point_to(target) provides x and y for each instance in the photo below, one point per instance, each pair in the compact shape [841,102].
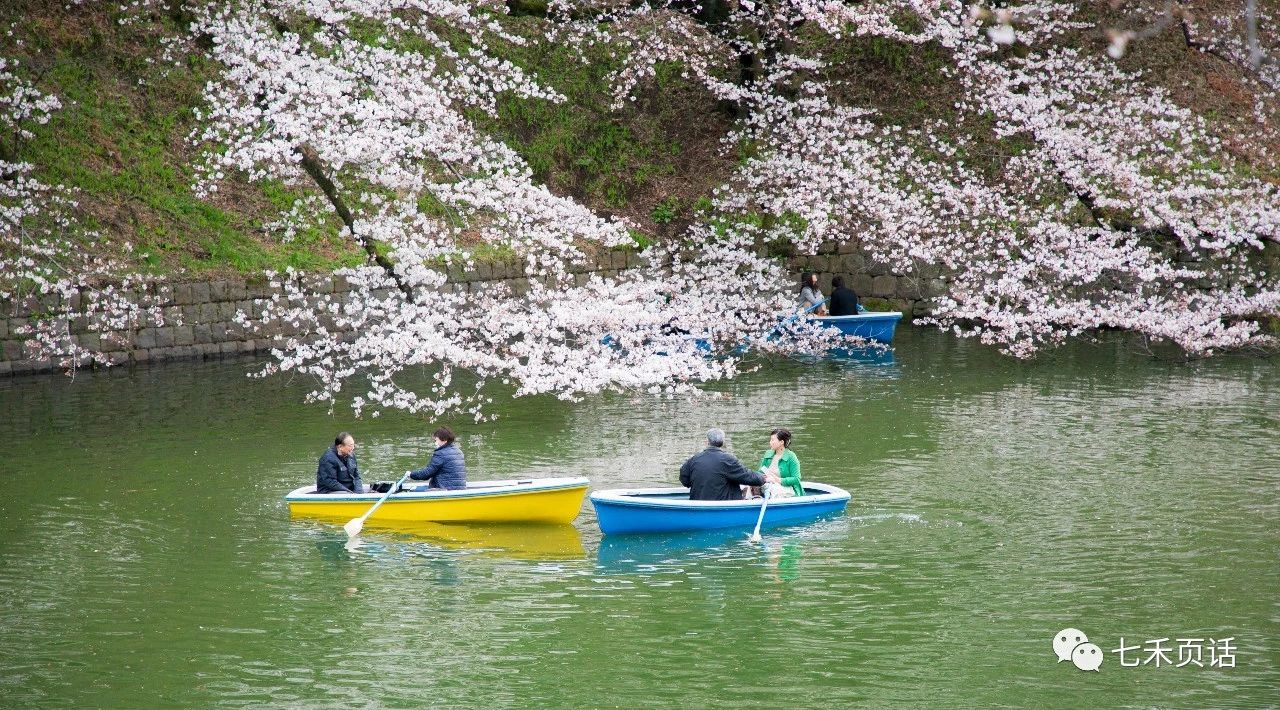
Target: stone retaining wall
[199,316]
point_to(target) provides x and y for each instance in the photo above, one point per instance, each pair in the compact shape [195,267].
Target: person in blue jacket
[446,469]
[337,471]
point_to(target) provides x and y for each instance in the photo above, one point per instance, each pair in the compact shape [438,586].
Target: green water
[148,560]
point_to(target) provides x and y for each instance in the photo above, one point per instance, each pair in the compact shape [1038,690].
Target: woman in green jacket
[781,461]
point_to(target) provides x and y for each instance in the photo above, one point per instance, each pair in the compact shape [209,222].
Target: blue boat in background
[872,325]
[650,510]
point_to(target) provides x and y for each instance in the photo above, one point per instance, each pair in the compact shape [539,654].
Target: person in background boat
[810,294]
[337,471]
[715,474]
[446,469]
[781,466]
[843,301]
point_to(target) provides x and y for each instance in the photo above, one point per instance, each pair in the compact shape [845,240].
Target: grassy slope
[120,139]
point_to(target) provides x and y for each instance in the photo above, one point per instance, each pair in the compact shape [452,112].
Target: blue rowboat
[648,510]
[872,325]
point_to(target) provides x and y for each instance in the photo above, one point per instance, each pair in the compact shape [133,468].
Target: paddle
[354,526]
[766,492]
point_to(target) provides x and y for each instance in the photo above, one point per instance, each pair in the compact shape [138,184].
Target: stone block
[248,345]
[925,307]
[228,348]
[182,294]
[141,356]
[12,350]
[4,328]
[208,312]
[520,286]
[236,291]
[217,332]
[617,260]
[28,306]
[847,246]
[202,334]
[257,289]
[884,286]
[191,314]
[217,291]
[164,338]
[18,325]
[183,335]
[90,341]
[172,315]
[851,263]
[6,368]
[75,300]
[861,284]
[827,247]
[634,261]
[581,279]
[201,292]
[145,339]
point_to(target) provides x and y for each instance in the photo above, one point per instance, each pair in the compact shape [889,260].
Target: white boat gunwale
[633,497]
[477,489]
[869,315]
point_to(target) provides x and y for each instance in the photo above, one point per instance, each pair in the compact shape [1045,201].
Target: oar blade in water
[354,526]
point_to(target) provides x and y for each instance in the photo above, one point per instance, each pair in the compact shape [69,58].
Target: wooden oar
[764,503]
[355,525]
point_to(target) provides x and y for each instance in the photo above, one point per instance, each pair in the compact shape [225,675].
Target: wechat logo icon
[1073,645]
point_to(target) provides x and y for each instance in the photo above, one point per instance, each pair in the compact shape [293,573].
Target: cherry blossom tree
[376,125]
[1119,209]
[1124,212]
[50,264]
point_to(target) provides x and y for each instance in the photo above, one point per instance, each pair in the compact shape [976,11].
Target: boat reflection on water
[525,542]
[658,553]
[876,355]
[869,355]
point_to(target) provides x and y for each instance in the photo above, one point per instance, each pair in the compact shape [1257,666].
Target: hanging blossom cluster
[1125,212]
[1171,244]
[378,125]
[47,261]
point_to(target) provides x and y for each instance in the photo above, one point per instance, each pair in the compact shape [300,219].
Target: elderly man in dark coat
[337,471]
[715,474]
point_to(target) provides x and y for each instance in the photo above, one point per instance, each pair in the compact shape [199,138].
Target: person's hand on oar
[767,491]
[354,526]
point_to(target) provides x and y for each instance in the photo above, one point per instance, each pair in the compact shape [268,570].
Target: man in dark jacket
[843,301]
[715,474]
[446,469]
[337,471]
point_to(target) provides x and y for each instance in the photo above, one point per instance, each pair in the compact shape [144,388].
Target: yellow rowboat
[540,500]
